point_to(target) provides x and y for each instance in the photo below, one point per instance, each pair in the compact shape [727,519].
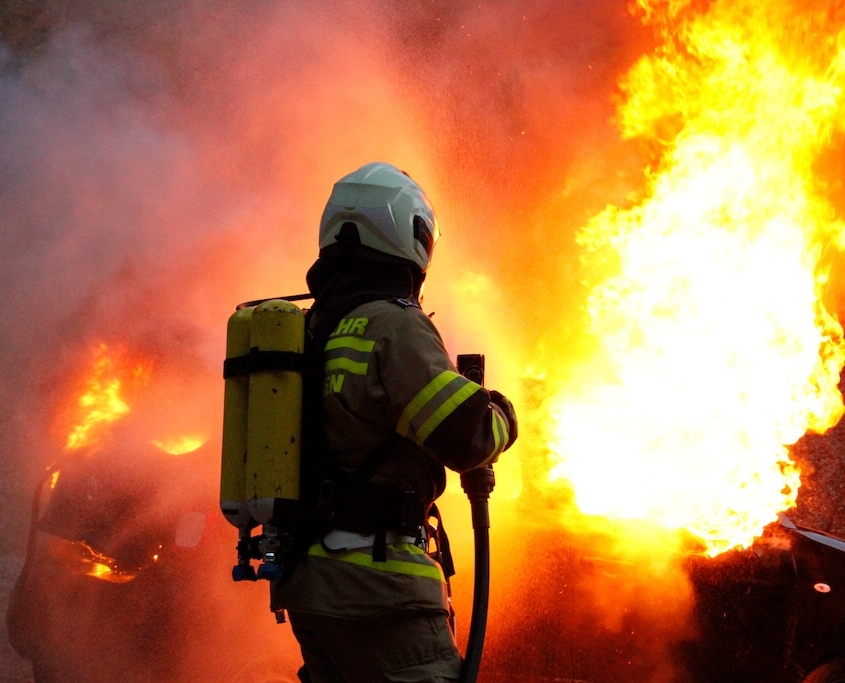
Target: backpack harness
[330,498]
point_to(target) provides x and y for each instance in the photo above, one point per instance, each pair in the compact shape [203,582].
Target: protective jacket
[390,386]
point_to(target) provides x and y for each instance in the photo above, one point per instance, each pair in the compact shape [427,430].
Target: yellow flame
[99,571]
[179,445]
[101,402]
[715,351]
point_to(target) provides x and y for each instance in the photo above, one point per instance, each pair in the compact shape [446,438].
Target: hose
[478,484]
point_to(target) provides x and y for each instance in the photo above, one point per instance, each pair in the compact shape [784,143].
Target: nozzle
[478,484]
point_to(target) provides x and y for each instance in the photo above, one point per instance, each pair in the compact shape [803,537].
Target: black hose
[478,484]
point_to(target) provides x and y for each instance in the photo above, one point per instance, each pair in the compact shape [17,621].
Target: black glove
[506,407]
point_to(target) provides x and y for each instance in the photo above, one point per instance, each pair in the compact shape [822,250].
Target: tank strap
[263,361]
[406,303]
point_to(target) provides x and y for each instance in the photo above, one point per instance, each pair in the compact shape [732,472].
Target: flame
[715,351]
[114,373]
[101,401]
[179,445]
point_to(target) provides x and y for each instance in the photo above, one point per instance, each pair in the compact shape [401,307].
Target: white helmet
[389,210]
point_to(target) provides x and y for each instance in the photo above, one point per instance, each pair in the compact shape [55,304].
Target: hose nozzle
[478,484]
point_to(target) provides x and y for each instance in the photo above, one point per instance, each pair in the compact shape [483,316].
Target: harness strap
[365,507]
[263,361]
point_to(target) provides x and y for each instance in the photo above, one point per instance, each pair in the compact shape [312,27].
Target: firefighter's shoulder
[402,318]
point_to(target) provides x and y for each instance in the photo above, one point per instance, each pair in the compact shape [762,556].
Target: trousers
[408,646]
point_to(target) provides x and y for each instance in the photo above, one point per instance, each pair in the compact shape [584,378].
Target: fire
[179,445]
[115,375]
[715,351]
[101,402]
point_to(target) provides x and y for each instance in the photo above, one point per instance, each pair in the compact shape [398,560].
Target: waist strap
[338,540]
[367,508]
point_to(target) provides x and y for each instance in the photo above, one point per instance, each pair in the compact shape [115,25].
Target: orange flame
[715,350]
[101,402]
[114,374]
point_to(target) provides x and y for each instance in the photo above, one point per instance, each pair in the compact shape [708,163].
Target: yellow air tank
[262,427]
[235,402]
[274,412]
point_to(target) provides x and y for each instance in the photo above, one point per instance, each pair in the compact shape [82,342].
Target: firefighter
[367,602]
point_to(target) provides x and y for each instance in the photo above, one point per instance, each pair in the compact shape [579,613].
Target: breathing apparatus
[377,209]
[262,432]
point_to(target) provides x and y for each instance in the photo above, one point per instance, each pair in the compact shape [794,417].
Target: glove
[506,407]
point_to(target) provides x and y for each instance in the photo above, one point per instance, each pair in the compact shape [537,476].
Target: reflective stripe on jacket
[387,370]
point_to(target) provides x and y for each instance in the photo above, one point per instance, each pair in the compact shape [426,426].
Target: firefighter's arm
[457,421]
[475,433]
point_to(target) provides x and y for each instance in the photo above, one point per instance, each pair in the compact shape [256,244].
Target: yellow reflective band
[500,432]
[394,566]
[445,410]
[420,400]
[354,343]
[500,437]
[355,367]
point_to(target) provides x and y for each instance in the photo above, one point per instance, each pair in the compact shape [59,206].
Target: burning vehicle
[112,569]
[108,566]
[776,612]
[127,563]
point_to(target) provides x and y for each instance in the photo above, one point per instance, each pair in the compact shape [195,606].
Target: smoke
[161,162]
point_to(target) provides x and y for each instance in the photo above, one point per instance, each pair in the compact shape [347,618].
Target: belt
[338,539]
